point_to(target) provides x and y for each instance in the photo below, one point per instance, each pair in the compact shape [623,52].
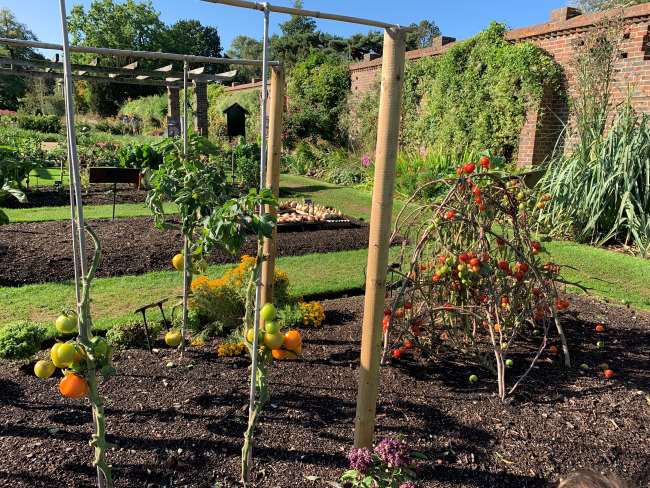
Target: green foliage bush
[40,123]
[151,110]
[219,100]
[247,165]
[318,88]
[21,340]
[139,156]
[474,96]
[131,334]
[325,161]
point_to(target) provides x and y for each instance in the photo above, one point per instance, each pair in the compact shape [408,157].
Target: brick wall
[541,130]
[201,108]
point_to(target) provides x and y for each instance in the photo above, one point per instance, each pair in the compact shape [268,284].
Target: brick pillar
[201,110]
[173,112]
[542,130]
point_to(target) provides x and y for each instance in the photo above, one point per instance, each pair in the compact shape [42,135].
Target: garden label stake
[98,441]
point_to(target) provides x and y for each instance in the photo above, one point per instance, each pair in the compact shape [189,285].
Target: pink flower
[366,161]
[423,151]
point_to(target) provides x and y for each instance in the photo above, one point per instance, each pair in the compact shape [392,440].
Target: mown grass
[115,299]
[122,210]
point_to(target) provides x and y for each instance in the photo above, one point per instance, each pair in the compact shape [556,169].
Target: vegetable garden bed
[182,426]
[45,196]
[40,251]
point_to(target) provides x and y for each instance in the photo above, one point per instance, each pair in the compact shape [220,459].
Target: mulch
[43,196]
[183,426]
[38,252]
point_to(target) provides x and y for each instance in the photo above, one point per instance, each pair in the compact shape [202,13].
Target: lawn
[43,214]
[115,299]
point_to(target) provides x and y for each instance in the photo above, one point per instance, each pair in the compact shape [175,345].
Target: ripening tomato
[399,313]
[469,168]
[503,265]
[485,162]
[450,214]
[523,267]
[478,200]
[600,328]
[608,373]
[536,247]
[519,276]
[385,323]
[459,170]
[553,349]
[397,353]
[436,278]
[292,340]
[178,262]
[476,191]
[463,258]
[561,304]
[442,259]
[73,386]
[474,262]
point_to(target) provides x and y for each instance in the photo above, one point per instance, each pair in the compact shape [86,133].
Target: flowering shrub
[313,313]
[474,281]
[390,465]
[223,299]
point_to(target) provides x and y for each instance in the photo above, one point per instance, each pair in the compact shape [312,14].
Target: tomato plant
[473,279]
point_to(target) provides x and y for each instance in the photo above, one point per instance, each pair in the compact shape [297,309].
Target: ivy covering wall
[473,97]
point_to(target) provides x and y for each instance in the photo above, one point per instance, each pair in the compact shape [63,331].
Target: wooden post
[273,177]
[392,80]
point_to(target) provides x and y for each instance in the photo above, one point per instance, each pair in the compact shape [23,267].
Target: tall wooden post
[273,176]
[392,80]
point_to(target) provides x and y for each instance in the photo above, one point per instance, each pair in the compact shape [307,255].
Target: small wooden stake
[392,81]
[273,177]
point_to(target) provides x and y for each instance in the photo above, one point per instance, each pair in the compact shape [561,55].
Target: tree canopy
[601,5]
[12,88]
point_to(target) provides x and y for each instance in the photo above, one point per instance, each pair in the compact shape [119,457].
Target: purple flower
[366,161]
[360,459]
[393,452]
[408,484]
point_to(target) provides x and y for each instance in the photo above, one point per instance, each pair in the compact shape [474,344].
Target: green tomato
[44,369]
[66,324]
[63,354]
[600,344]
[173,338]
[268,312]
[272,327]
[509,363]
[473,378]
[273,341]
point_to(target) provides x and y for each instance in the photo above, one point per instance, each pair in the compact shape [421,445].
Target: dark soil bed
[44,196]
[183,426]
[40,252]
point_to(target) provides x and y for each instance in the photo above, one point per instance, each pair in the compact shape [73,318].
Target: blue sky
[456,18]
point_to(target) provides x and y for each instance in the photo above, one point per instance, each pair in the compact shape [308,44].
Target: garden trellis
[382,202]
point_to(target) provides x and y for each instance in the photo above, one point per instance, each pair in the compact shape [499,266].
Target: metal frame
[134,54]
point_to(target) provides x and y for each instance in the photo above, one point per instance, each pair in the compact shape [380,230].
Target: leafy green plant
[21,340]
[151,110]
[599,192]
[130,335]
[13,170]
[247,164]
[40,123]
[139,156]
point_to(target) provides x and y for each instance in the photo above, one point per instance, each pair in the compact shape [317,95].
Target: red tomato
[600,328]
[474,262]
[397,353]
[442,259]
[408,306]
[463,258]
[553,349]
[519,276]
[385,323]
[469,168]
[478,200]
[523,267]
[503,265]
[485,162]
[450,214]
[608,373]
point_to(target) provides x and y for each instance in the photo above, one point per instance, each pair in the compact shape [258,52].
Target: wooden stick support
[392,80]
[273,177]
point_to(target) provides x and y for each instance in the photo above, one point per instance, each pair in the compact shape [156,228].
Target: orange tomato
[553,349]
[283,355]
[600,328]
[292,340]
[608,373]
[73,386]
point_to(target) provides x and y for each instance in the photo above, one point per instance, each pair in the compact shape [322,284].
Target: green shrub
[150,110]
[40,123]
[139,156]
[21,340]
[131,334]
[290,316]
[247,165]
[115,127]
[600,191]
[318,88]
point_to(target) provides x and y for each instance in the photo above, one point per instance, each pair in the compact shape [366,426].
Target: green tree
[191,37]
[318,88]
[422,34]
[244,47]
[13,88]
[129,25]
